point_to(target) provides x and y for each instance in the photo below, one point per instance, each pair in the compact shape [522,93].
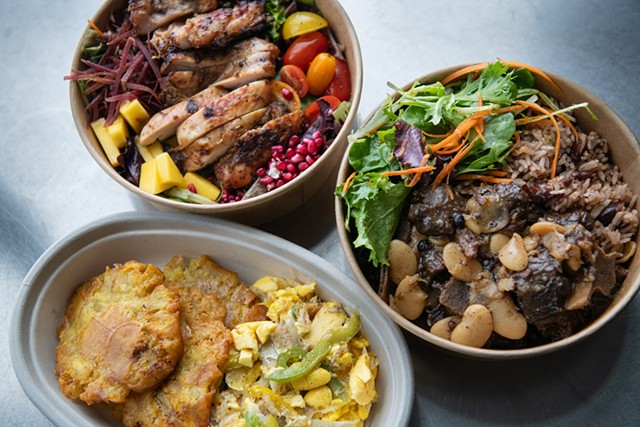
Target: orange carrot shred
[96,29]
[463,71]
[571,126]
[419,169]
[349,181]
[498,173]
[485,178]
[448,168]
[555,124]
[535,71]
[451,196]
[430,135]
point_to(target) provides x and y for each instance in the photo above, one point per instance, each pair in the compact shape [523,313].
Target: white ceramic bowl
[625,153]
[155,238]
[268,206]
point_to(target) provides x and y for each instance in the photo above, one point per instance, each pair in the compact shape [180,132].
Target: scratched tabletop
[50,186]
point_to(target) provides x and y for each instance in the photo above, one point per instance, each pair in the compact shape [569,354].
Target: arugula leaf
[277,13]
[375,204]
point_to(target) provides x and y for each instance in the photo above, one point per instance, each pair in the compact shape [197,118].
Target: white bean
[443,327]
[475,328]
[507,320]
[410,299]
[458,264]
[513,255]
[402,261]
[543,227]
[497,242]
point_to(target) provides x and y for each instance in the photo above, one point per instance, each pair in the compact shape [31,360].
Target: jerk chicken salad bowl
[490,210]
[238,109]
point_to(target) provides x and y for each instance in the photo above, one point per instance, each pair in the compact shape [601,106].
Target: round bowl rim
[480,353]
[226,208]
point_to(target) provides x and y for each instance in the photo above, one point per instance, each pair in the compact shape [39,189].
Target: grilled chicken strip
[218,28]
[147,15]
[253,150]
[164,124]
[239,102]
[206,150]
[193,70]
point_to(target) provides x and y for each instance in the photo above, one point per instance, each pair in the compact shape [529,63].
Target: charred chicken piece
[147,15]
[237,103]
[236,169]
[164,124]
[218,28]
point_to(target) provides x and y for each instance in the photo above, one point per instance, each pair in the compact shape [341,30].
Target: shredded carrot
[498,173]
[460,130]
[555,124]
[451,196]
[478,67]
[463,72]
[448,168]
[419,169]
[571,126]
[430,135]
[348,182]
[535,71]
[485,178]
[96,29]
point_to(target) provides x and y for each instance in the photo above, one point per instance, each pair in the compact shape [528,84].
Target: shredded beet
[125,71]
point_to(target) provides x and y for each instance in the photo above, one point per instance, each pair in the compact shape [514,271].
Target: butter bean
[507,320]
[458,264]
[443,327]
[410,298]
[402,261]
[543,227]
[497,242]
[475,328]
[513,255]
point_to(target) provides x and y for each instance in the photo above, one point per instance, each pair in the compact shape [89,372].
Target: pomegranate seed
[316,134]
[266,180]
[286,94]
[290,153]
[278,156]
[291,167]
[303,166]
[277,148]
[281,166]
[261,172]
[192,188]
[295,139]
[307,141]
[271,186]
[312,149]
[288,176]
[310,160]
[302,150]
[240,195]
[319,142]
[297,158]
[279,183]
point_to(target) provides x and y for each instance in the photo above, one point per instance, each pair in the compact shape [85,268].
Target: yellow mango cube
[204,187]
[119,132]
[106,141]
[150,152]
[135,114]
[160,174]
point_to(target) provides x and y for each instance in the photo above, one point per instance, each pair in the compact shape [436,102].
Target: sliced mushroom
[487,216]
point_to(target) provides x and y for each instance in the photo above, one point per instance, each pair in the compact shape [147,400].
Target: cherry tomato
[340,86]
[300,23]
[320,73]
[294,77]
[312,111]
[304,49]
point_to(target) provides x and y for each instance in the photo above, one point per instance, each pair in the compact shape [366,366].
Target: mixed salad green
[439,132]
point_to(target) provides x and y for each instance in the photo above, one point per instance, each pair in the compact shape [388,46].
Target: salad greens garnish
[433,133]
[277,12]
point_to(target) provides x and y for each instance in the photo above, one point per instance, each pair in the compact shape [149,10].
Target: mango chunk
[150,152]
[135,114]
[160,174]
[204,187]
[106,141]
[119,132]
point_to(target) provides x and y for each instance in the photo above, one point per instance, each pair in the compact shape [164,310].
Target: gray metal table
[49,185]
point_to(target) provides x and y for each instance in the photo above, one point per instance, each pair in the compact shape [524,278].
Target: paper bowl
[266,207]
[155,238]
[625,153]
